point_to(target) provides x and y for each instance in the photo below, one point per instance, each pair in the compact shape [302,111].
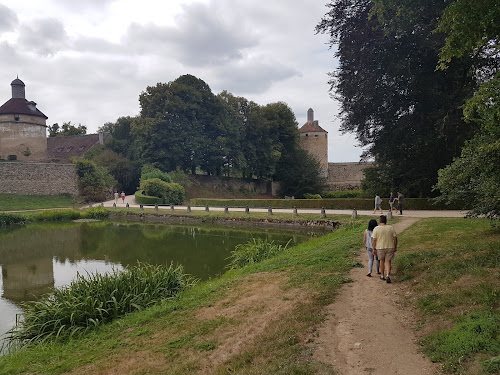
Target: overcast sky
[87,61]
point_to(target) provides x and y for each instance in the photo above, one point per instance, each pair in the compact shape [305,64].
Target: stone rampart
[346,176]
[38,178]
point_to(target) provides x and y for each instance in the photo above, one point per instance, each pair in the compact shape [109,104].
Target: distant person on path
[391,201]
[368,240]
[116,197]
[385,245]
[401,198]
[123,197]
[378,202]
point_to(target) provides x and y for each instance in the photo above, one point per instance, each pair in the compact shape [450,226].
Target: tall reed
[95,299]
[253,251]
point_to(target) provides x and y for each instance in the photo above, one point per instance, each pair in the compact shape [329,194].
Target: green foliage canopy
[405,112]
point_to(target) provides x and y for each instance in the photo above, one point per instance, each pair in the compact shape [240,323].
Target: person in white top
[367,239]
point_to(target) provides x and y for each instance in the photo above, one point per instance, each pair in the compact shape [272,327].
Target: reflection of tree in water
[26,253]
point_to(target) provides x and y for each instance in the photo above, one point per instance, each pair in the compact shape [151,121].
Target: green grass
[11,202]
[9,219]
[453,267]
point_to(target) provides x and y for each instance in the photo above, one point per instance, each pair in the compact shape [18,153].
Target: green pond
[38,257]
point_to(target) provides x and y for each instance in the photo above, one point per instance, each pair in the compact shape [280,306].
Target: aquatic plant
[95,299]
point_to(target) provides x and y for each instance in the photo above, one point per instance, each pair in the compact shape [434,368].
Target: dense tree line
[406,111]
[184,126]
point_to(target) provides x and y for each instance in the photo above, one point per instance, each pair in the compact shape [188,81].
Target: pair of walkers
[381,244]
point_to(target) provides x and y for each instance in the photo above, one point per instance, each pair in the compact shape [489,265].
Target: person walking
[123,197]
[378,202]
[385,245]
[391,201]
[116,197]
[368,240]
[401,198]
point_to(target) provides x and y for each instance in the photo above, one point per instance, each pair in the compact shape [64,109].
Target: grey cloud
[201,38]
[44,36]
[96,45]
[8,19]
[253,77]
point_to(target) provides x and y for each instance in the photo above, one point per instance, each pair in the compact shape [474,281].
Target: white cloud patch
[8,19]
[43,36]
[200,38]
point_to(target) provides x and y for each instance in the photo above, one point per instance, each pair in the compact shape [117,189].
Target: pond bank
[324,224]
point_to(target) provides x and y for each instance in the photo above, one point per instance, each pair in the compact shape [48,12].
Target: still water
[38,257]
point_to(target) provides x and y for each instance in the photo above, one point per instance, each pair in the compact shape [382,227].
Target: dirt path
[367,331]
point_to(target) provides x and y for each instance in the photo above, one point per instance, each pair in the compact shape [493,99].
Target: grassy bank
[263,315]
[174,337]
[11,202]
[452,267]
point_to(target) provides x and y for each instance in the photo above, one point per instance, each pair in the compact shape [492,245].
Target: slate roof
[19,106]
[311,126]
[67,147]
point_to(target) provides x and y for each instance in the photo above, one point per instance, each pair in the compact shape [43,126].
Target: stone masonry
[38,178]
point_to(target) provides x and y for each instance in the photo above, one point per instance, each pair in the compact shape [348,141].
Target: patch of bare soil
[255,305]
[368,329]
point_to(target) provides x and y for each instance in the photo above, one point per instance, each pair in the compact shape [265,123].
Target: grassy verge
[453,268]
[171,338]
[11,202]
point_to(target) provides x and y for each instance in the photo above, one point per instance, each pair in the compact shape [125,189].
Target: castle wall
[23,136]
[316,143]
[38,178]
[346,176]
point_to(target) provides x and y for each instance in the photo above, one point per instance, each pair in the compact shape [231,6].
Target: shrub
[56,215]
[94,182]
[343,194]
[11,219]
[312,196]
[253,251]
[148,172]
[95,299]
[168,192]
[96,213]
[141,198]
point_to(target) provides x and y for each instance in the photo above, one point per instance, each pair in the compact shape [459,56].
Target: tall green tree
[405,112]
[179,121]
[472,29]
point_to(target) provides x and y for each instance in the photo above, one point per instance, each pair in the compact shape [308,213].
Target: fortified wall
[38,178]
[346,176]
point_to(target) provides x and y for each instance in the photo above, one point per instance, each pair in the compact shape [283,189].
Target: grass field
[11,202]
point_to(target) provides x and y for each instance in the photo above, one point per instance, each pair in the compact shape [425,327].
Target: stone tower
[314,139]
[22,127]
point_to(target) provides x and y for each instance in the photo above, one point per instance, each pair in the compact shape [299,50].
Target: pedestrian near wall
[123,197]
[116,197]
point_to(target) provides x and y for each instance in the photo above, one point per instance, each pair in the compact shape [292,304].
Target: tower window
[16,117]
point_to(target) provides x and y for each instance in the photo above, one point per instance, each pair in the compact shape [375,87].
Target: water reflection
[38,257]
